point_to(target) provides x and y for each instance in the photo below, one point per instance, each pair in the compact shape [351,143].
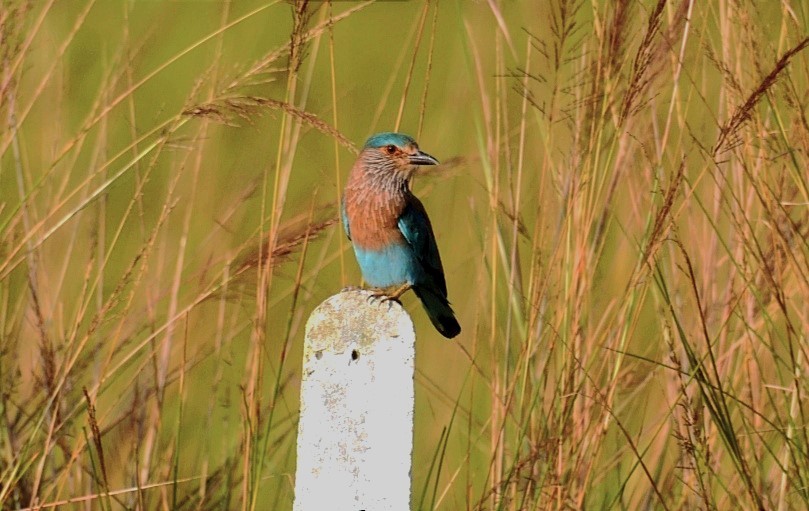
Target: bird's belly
[392,265]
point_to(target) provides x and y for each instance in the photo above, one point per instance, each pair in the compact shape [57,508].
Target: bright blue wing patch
[416,229]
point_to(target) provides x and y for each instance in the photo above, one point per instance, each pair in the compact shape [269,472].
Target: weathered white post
[355,435]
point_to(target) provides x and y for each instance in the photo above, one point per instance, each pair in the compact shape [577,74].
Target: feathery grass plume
[639,78]
[728,132]
[223,111]
[301,15]
[566,31]
[13,14]
[615,40]
[291,236]
[95,433]
[663,219]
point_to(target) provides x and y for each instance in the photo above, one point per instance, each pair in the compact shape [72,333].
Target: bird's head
[394,155]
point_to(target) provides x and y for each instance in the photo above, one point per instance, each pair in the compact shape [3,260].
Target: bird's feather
[344,218]
[415,226]
[386,138]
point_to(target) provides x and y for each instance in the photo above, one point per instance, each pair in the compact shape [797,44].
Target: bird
[389,229]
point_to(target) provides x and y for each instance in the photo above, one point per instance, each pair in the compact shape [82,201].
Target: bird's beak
[422,158]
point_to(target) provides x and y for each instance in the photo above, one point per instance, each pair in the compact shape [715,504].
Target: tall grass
[622,215]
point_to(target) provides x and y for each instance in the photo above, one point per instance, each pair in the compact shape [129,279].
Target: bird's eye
[391,149]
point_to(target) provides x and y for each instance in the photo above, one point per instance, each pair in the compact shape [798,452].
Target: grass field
[622,211]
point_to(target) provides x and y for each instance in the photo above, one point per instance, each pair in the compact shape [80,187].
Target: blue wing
[417,230]
[344,218]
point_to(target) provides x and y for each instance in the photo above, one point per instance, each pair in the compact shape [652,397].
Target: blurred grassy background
[622,215]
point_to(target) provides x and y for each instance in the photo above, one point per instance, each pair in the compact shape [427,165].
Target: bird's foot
[379,296]
[382,296]
[400,291]
[375,295]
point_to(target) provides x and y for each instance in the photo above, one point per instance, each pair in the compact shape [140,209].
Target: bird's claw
[379,297]
[376,296]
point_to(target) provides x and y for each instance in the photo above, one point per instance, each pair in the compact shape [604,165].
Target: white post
[355,434]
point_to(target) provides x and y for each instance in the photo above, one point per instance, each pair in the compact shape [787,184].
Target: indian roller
[389,229]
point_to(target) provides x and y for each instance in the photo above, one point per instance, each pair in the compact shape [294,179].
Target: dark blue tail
[439,312]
